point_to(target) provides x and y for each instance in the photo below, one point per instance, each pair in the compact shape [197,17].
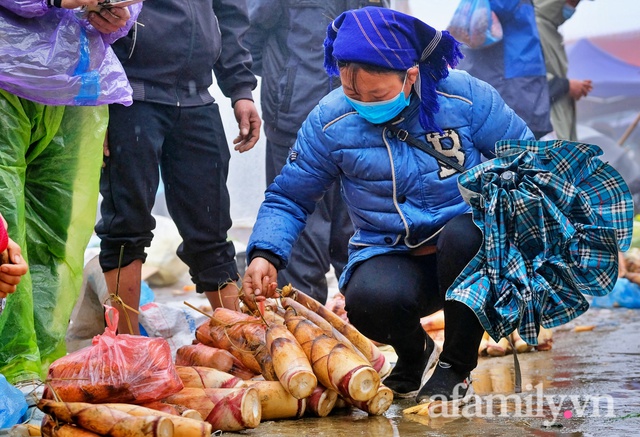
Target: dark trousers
[189,147]
[387,295]
[324,241]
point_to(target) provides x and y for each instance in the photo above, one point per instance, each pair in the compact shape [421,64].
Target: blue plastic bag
[625,294]
[13,405]
[475,24]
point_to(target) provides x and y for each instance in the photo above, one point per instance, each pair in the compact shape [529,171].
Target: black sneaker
[445,385]
[405,378]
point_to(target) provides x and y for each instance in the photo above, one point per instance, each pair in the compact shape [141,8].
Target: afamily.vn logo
[530,404]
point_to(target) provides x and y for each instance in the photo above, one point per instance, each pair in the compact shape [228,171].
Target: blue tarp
[611,75]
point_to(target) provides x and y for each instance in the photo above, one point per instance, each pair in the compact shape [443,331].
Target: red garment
[4,237]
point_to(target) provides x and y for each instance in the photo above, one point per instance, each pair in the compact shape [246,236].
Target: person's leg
[61,195]
[458,243]
[310,258]
[128,186]
[195,165]
[33,127]
[385,299]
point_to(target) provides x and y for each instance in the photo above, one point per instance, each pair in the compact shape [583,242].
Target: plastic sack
[12,404]
[177,324]
[475,24]
[625,294]
[115,368]
[59,59]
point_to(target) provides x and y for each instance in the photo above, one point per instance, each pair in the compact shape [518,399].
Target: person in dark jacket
[286,40]
[515,66]
[174,126]
[413,231]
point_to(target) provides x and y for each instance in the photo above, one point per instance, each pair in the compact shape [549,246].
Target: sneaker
[446,384]
[405,378]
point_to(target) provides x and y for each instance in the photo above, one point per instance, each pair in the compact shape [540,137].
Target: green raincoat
[49,185]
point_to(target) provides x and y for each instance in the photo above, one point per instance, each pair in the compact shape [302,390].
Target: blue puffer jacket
[398,197]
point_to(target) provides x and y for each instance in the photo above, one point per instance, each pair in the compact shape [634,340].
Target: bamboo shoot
[204,377]
[291,364]
[364,345]
[227,409]
[182,426]
[276,402]
[335,365]
[103,420]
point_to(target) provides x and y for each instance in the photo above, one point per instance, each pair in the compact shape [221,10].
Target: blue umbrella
[553,217]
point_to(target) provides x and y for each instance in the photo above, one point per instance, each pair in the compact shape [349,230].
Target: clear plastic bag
[115,368]
[475,24]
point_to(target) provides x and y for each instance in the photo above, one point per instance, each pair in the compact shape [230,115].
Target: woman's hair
[355,67]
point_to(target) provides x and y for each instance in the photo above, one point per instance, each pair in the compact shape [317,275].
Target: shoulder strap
[404,136]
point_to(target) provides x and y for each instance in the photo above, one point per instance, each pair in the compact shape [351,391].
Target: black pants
[387,295]
[324,241]
[190,148]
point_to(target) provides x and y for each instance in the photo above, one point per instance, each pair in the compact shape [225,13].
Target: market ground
[587,385]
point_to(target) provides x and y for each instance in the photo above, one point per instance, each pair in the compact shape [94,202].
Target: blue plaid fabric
[554,217]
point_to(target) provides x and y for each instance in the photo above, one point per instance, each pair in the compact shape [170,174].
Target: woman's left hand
[260,280]
[109,20]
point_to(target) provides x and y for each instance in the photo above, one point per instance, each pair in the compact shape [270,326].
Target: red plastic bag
[475,24]
[115,368]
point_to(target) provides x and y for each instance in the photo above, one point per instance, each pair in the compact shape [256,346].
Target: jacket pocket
[362,238]
[289,88]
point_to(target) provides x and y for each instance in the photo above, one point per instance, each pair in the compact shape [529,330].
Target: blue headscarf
[390,39]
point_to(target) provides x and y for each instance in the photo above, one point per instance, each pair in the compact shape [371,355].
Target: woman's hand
[259,280]
[12,272]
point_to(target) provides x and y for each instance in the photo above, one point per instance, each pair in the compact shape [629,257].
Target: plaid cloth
[554,217]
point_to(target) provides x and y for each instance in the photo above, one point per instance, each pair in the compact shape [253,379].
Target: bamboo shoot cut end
[364,384]
[192,414]
[381,402]
[302,384]
[251,408]
[326,403]
[164,426]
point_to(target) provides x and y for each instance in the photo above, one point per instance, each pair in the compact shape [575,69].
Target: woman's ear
[412,75]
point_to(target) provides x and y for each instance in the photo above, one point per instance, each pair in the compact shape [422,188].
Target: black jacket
[170,54]
[286,41]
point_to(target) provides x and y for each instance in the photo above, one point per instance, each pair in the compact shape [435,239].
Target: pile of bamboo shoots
[295,355]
